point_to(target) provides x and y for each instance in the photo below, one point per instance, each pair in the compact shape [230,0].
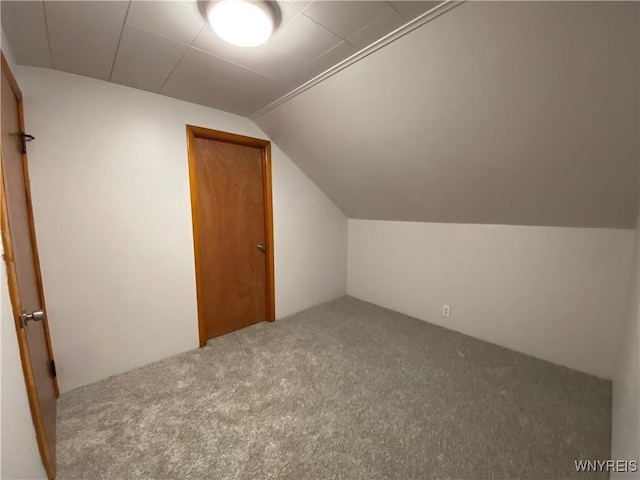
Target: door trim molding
[194,132]
[32,393]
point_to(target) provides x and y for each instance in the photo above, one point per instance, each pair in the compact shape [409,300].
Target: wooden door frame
[194,132]
[32,393]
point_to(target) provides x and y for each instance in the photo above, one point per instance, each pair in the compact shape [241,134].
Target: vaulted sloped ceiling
[506,112]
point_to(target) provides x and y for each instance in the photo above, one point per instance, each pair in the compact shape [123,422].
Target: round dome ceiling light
[241,22]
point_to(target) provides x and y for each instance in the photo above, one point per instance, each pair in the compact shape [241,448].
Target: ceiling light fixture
[241,22]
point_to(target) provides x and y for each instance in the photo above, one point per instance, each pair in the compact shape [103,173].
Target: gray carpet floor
[345,390]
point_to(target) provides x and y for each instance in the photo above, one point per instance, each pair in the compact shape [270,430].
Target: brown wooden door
[231,203]
[25,287]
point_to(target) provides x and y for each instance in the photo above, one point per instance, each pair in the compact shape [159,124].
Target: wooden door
[232,227]
[23,273]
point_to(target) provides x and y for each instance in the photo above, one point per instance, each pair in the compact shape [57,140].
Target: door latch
[26,138]
[28,317]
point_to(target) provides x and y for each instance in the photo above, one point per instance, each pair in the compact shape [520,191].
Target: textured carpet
[346,390]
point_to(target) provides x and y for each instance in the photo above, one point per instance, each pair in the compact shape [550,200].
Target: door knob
[28,317]
[262,248]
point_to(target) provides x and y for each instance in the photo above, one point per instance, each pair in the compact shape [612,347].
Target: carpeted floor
[346,390]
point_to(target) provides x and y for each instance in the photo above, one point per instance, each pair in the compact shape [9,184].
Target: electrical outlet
[446,310]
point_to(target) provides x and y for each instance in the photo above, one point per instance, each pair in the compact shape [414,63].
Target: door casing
[194,132]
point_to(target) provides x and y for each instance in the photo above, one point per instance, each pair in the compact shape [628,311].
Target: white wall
[625,441]
[554,293]
[112,210]
[19,455]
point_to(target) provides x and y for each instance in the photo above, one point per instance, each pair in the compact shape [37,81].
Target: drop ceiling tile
[84,35]
[145,60]
[198,73]
[331,58]
[411,9]
[209,42]
[377,29]
[346,18]
[192,78]
[287,13]
[245,79]
[25,27]
[274,63]
[299,5]
[303,39]
[234,100]
[321,64]
[178,20]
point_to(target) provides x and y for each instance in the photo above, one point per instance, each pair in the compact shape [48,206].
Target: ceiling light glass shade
[241,22]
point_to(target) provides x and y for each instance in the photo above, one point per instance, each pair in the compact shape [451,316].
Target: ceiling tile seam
[296,8]
[260,49]
[159,35]
[288,56]
[344,38]
[391,37]
[234,63]
[396,10]
[311,62]
[325,27]
[301,13]
[306,63]
[193,40]
[180,59]
[46,29]
[115,56]
[282,25]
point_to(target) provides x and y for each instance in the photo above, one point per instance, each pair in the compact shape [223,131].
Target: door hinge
[52,366]
[26,138]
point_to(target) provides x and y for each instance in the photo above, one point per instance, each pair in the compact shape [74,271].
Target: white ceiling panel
[167,46]
[287,13]
[24,24]
[145,60]
[344,18]
[232,99]
[377,29]
[319,65]
[84,36]
[299,5]
[329,59]
[411,9]
[198,73]
[192,77]
[274,63]
[304,39]
[243,78]
[209,42]
[178,20]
